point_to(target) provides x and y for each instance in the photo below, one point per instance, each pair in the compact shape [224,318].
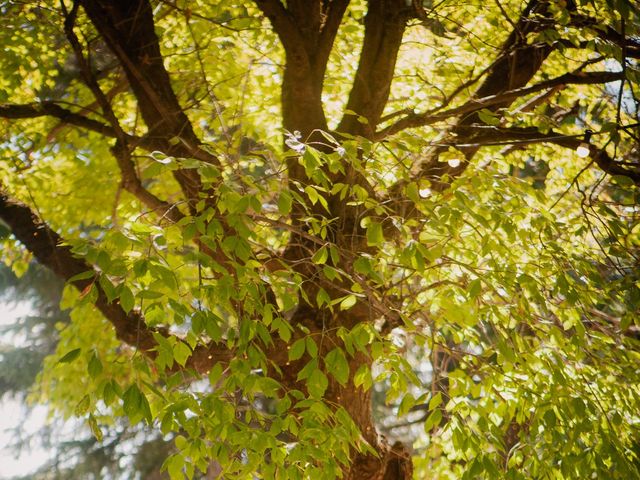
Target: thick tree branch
[385,24]
[122,151]
[514,68]
[141,59]
[411,119]
[516,65]
[87,75]
[307,17]
[607,33]
[332,12]
[131,183]
[283,24]
[130,180]
[307,30]
[128,29]
[51,251]
[301,91]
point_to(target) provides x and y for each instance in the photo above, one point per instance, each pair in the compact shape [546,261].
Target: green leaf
[161,158]
[70,356]
[337,365]
[348,302]
[215,374]
[132,401]
[322,297]
[408,401]
[312,194]
[297,350]
[435,401]
[285,202]
[320,257]
[550,419]
[488,117]
[127,301]
[95,366]
[136,405]
[95,429]
[317,383]
[284,329]
[362,377]
[174,465]
[363,265]
[140,267]
[312,348]
[181,442]
[103,260]
[82,276]
[433,420]
[375,236]
[181,353]
[307,369]
[82,406]
[109,393]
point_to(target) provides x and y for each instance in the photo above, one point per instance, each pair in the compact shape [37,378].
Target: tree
[406,218]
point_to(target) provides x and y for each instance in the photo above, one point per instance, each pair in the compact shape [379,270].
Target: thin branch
[132,184]
[415,120]
[41,109]
[66,116]
[531,136]
[128,29]
[607,33]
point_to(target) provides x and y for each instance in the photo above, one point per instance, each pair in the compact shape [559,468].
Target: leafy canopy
[288,228]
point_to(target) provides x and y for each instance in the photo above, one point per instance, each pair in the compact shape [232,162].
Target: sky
[12,414]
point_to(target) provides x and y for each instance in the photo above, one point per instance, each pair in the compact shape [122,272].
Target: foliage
[25,344]
[270,216]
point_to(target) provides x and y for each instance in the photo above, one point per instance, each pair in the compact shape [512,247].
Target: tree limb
[608,33]
[128,29]
[384,25]
[283,24]
[13,111]
[306,28]
[532,135]
[413,120]
[51,251]
[41,109]
[301,96]
[516,65]
[122,151]
[332,11]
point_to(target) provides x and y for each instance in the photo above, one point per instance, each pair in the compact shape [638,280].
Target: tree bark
[307,41]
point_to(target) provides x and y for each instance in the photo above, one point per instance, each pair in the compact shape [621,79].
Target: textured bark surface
[307,30]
